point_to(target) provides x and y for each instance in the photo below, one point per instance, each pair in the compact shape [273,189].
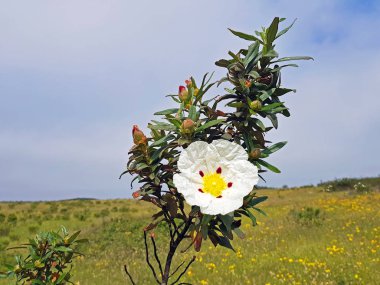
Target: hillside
[308,237]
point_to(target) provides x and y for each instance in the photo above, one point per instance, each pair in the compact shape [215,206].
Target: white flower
[215,176]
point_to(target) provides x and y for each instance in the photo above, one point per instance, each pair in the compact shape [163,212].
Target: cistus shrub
[49,259]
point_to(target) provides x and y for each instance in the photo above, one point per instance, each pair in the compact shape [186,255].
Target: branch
[147,259]
[155,254]
[183,272]
[179,266]
[170,225]
[129,275]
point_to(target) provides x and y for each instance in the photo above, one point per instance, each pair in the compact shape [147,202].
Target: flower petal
[230,151]
[222,206]
[244,176]
[193,157]
[188,186]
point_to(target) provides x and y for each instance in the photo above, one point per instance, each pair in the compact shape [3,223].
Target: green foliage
[361,188]
[12,219]
[361,185]
[255,76]
[307,216]
[49,259]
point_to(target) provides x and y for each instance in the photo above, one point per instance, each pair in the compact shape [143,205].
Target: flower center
[214,183]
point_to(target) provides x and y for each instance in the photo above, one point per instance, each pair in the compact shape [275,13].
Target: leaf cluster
[49,259]
[238,115]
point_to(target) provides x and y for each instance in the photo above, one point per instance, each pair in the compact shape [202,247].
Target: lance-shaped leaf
[246,36]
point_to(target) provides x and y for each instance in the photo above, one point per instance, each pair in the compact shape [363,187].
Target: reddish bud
[188,126]
[248,83]
[138,136]
[188,82]
[255,154]
[182,93]
[136,194]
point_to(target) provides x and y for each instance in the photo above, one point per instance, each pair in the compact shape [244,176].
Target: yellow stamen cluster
[214,184]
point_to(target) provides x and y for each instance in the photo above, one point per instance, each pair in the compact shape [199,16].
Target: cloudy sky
[76,75]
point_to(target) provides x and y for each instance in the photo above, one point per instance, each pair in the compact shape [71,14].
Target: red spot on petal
[219,170]
[220,196]
[201,173]
[229,184]
[200,190]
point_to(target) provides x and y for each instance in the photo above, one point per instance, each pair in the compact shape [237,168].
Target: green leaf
[204,224]
[162,126]
[223,63]
[259,124]
[282,91]
[239,233]
[269,166]
[162,140]
[285,30]
[275,147]
[293,58]
[167,111]
[271,106]
[253,50]
[270,53]
[257,200]
[260,211]
[209,124]
[225,242]
[273,119]
[227,220]
[74,236]
[281,67]
[251,216]
[236,104]
[272,31]
[193,113]
[63,249]
[62,277]
[234,56]
[246,36]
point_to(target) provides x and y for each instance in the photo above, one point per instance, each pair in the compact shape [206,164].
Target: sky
[76,75]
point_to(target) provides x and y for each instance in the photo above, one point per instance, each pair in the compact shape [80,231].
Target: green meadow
[309,236]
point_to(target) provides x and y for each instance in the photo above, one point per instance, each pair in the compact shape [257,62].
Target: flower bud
[138,136]
[136,194]
[17,269]
[196,92]
[182,93]
[188,126]
[255,105]
[247,83]
[188,83]
[255,154]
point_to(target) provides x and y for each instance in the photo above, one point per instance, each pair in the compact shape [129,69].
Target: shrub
[361,188]
[307,216]
[12,219]
[2,218]
[49,259]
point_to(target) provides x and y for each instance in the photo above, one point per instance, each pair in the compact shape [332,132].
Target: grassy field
[308,237]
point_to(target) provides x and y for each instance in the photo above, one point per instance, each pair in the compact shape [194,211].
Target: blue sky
[76,75]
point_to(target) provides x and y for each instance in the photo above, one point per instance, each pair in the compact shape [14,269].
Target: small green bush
[307,216]
[49,259]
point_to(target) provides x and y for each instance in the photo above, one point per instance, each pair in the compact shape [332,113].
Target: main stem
[174,243]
